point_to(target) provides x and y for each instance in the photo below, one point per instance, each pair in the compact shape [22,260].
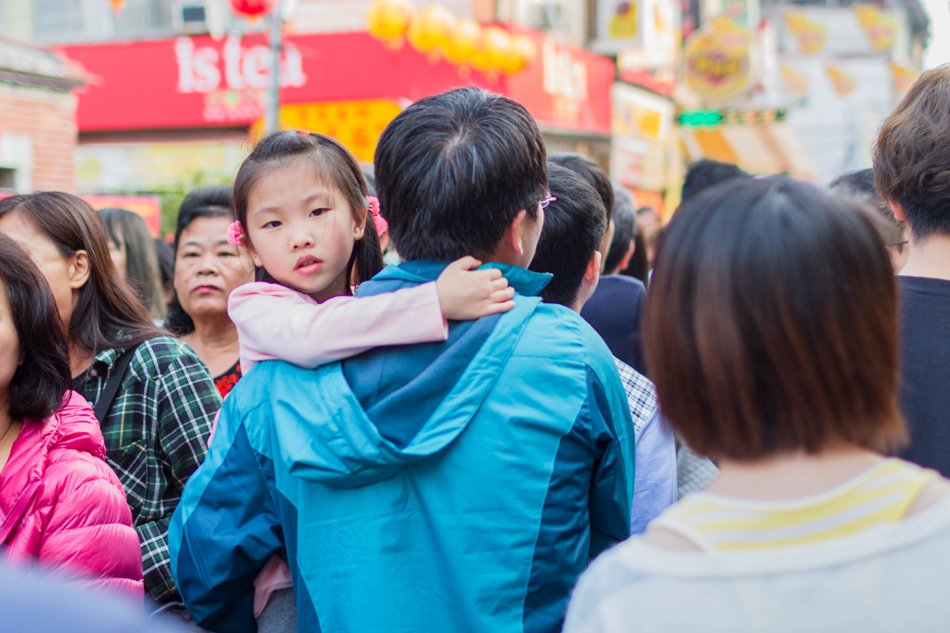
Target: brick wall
[48,118]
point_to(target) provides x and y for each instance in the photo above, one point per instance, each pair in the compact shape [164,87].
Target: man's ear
[78,270]
[514,236]
[592,272]
[898,210]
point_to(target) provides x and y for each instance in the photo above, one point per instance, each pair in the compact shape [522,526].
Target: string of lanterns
[435,31]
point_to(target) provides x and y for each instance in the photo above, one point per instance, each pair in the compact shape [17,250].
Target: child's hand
[466,294]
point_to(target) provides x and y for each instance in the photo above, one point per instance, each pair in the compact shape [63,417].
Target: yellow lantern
[464,41]
[521,54]
[495,49]
[388,20]
[430,30]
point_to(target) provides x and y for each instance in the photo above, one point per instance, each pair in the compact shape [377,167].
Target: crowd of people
[265,428]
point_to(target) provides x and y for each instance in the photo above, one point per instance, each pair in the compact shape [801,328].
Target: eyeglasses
[545,201]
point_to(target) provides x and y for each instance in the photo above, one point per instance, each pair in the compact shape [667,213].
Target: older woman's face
[207,268]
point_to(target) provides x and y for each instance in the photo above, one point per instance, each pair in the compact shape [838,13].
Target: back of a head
[107,312]
[591,172]
[705,173]
[859,185]
[453,171]
[129,230]
[574,225]
[748,329]
[625,230]
[911,164]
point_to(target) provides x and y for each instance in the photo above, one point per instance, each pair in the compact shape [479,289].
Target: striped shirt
[880,495]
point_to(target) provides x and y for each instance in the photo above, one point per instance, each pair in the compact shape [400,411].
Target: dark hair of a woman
[41,380]
[107,313]
[771,323]
[129,231]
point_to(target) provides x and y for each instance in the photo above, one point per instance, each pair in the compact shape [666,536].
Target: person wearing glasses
[461,485]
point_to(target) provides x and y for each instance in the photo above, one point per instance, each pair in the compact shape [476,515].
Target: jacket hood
[327,434]
[75,427]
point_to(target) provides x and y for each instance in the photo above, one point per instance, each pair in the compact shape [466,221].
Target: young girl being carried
[302,209]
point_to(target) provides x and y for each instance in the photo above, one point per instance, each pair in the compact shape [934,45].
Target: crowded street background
[486,316]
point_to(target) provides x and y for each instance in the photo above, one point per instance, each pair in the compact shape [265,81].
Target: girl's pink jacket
[63,507]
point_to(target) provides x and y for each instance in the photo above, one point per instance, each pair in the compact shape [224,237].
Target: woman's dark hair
[771,324]
[331,161]
[705,174]
[591,172]
[209,201]
[625,230]
[911,164]
[129,232]
[454,170]
[107,313]
[41,380]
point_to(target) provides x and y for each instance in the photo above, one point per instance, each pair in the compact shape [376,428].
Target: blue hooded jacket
[457,486]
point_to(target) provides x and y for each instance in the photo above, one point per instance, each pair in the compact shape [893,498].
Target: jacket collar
[525,282]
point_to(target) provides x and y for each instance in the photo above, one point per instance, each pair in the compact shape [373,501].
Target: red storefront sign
[188,82]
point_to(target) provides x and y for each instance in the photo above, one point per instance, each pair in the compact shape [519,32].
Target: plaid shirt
[641,395]
[156,435]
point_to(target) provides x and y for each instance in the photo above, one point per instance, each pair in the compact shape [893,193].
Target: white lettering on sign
[202,68]
[564,76]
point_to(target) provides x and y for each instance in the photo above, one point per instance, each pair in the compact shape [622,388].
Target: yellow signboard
[356,124]
[717,62]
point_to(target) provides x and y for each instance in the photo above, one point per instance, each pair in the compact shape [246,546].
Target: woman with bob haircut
[771,333]
[62,506]
[134,255]
[153,397]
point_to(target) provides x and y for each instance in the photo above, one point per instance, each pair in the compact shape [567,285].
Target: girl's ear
[359,228]
[254,256]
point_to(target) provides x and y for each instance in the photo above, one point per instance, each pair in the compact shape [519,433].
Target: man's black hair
[625,229]
[590,171]
[705,173]
[574,225]
[453,171]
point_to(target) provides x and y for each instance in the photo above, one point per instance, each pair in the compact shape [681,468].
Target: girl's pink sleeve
[275,322]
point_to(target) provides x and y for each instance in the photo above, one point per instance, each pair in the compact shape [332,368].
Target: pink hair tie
[372,204]
[236,234]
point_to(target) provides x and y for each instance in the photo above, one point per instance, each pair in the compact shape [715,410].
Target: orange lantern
[521,54]
[252,8]
[430,30]
[388,20]
[495,50]
[117,5]
[464,41]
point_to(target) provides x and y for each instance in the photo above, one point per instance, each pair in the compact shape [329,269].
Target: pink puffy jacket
[63,507]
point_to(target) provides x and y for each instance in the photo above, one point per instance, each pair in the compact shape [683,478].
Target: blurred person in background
[860,186]
[912,172]
[639,265]
[62,505]
[705,174]
[165,255]
[133,253]
[207,269]
[806,524]
[567,249]
[152,395]
[615,307]
[649,225]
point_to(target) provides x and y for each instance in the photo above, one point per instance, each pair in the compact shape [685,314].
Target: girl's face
[207,268]
[302,230]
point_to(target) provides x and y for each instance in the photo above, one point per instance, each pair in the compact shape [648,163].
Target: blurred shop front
[188,108]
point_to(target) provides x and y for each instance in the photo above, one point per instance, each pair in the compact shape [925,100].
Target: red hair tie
[372,205]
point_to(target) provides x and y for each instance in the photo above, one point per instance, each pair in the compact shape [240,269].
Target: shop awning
[758,149]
